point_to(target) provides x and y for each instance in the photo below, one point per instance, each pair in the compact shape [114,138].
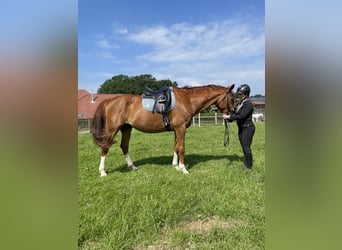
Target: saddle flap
[161,98]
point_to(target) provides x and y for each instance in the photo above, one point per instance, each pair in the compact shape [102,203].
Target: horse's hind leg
[105,147]
[126,135]
[179,150]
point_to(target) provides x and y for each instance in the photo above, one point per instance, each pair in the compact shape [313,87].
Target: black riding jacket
[243,114]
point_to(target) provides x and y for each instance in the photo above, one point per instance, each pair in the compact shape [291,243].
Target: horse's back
[121,101]
[128,109]
[120,105]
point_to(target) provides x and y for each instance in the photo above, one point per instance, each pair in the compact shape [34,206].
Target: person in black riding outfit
[243,116]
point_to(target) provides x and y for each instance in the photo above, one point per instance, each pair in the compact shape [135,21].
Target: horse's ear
[230,88]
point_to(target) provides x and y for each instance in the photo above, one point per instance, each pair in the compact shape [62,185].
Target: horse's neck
[202,101]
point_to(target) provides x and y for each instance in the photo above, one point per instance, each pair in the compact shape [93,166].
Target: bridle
[230,111]
[226,139]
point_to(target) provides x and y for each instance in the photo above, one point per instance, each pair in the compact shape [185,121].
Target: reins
[226,133]
[226,139]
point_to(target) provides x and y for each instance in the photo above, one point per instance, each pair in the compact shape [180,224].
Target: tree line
[123,84]
[132,84]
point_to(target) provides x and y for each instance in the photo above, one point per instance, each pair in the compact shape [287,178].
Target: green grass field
[217,206]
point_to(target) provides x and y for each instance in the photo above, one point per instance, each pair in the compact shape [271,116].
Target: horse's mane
[200,88]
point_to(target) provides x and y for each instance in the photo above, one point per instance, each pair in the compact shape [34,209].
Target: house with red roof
[88,102]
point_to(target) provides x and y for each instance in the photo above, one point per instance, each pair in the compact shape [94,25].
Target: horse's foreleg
[175,154]
[126,135]
[175,159]
[179,151]
[102,162]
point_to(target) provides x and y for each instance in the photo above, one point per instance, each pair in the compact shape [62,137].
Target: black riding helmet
[244,89]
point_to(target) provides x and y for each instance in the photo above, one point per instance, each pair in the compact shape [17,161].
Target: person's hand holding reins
[225,116]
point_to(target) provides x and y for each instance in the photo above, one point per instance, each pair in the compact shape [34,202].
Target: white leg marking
[175,159]
[182,168]
[130,162]
[102,165]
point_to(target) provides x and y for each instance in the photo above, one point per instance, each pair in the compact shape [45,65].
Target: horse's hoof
[185,171]
[103,174]
[134,168]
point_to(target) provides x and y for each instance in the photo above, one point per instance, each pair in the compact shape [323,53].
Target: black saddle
[161,97]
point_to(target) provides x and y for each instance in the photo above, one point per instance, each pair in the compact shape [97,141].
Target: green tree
[132,85]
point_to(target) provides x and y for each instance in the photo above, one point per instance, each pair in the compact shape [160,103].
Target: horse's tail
[98,128]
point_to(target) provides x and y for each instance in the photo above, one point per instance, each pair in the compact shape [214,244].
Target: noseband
[230,111]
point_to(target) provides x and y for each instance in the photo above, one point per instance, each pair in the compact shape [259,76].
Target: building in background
[88,102]
[259,108]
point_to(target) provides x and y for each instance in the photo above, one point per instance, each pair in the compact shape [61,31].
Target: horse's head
[226,104]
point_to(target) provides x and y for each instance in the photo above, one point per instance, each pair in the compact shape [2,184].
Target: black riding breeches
[246,136]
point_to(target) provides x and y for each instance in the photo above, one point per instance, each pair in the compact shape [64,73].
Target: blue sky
[191,42]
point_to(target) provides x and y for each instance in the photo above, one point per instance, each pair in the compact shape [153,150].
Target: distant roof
[87,103]
[257,103]
[258,99]
[82,93]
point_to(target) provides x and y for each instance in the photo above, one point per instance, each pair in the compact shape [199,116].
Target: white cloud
[104,44]
[155,36]
[105,48]
[212,41]
[221,52]
[120,30]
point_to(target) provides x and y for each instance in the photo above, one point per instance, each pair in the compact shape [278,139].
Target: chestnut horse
[125,112]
